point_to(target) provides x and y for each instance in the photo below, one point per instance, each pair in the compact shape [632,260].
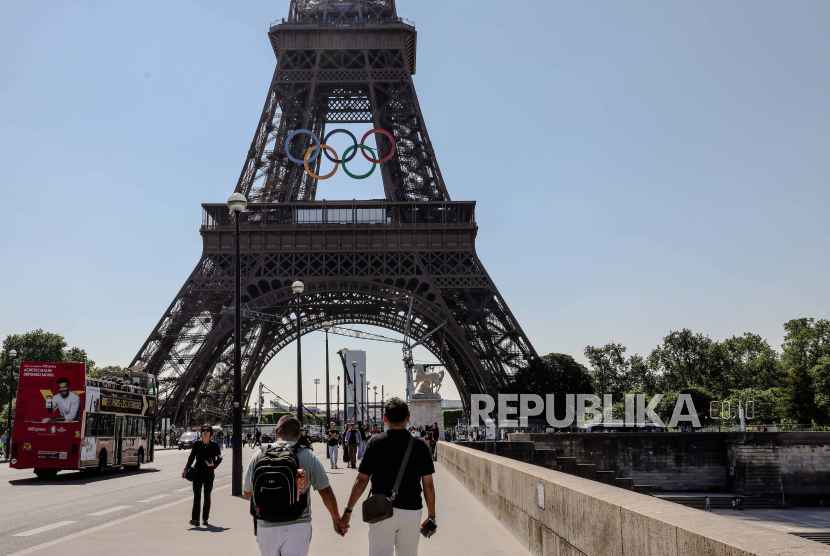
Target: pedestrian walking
[708,505]
[333,441]
[4,443]
[304,439]
[433,434]
[397,466]
[207,456]
[352,442]
[361,431]
[283,525]
[257,437]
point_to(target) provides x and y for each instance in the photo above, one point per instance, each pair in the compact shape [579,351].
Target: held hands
[336,522]
[344,524]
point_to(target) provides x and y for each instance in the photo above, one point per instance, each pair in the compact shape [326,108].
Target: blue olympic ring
[291,135]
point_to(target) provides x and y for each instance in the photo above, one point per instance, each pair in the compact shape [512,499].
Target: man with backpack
[277,482]
[397,465]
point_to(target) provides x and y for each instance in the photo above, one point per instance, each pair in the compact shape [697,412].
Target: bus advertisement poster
[48,413]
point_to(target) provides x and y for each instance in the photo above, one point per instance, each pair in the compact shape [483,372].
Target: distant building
[451,404]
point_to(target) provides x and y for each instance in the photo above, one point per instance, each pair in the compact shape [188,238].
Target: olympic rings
[312,174]
[341,130]
[321,146]
[367,174]
[288,140]
[378,130]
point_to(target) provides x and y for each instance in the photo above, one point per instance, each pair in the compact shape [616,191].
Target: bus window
[89,429]
[106,425]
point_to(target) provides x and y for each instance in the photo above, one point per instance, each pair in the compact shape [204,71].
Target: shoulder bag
[379,506]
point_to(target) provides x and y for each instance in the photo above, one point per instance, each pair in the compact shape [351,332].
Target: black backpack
[274,497]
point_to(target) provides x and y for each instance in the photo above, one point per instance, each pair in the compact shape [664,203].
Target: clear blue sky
[639,167]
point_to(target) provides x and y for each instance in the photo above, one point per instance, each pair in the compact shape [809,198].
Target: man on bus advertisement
[48,413]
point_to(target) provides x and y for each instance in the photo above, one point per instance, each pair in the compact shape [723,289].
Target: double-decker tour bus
[66,420]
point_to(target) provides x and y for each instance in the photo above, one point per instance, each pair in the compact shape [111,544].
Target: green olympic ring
[343,162]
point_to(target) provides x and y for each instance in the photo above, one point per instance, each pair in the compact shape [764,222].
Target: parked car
[315,437]
[187,439]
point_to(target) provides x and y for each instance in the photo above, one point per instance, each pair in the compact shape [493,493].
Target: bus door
[119,437]
[148,438]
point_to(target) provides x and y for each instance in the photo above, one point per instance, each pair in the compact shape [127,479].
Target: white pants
[288,540]
[398,535]
[333,455]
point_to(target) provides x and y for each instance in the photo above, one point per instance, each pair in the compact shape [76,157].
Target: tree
[641,376]
[806,342]
[450,417]
[682,360]
[609,368]
[78,355]
[820,374]
[798,397]
[742,362]
[701,399]
[109,370]
[763,406]
[554,373]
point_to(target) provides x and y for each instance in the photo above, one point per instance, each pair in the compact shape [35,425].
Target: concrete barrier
[556,514]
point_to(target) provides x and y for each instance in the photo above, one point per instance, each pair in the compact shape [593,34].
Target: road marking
[185,489]
[109,511]
[154,498]
[61,540]
[44,529]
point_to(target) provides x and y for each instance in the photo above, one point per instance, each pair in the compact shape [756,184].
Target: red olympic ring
[378,130]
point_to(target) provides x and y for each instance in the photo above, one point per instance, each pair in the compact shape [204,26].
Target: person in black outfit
[257,438]
[207,456]
[304,439]
[381,464]
[352,441]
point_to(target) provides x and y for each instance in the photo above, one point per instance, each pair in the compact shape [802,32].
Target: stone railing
[552,513]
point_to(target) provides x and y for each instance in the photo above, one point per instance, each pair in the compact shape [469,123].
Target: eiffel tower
[338,61]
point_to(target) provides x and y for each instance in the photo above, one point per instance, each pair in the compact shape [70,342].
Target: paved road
[33,511]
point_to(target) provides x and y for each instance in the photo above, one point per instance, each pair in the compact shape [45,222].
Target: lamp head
[354,364]
[13,353]
[344,351]
[361,373]
[298,287]
[327,326]
[237,202]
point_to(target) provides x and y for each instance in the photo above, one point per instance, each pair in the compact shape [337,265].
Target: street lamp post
[327,327]
[316,406]
[13,355]
[298,288]
[345,352]
[375,410]
[338,403]
[237,203]
[354,384]
[362,395]
[366,402]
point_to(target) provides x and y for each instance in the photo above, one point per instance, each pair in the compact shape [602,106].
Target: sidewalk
[465,527]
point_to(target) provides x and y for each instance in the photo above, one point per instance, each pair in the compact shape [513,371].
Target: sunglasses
[206,430]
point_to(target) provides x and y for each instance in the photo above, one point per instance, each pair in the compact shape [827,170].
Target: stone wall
[734,462]
[555,514]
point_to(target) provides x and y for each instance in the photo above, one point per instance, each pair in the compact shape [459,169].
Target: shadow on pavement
[78,477]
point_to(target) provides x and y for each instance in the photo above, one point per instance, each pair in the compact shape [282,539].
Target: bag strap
[403,467]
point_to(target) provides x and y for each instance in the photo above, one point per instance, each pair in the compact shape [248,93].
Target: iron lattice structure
[337,62]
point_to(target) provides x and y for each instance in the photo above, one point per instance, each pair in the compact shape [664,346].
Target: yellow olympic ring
[312,174]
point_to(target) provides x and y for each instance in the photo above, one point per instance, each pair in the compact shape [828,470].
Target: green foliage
[682,360]
[821,380]
[798,397]
[700,398]
[450,417]
[273,418]
[106,371]
[78,355]
[806,342]
[764,406]
[609,368]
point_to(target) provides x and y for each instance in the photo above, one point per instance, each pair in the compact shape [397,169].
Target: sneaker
[194,523]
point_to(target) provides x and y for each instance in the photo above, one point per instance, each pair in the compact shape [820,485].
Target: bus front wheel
[46,473]
[139,460]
